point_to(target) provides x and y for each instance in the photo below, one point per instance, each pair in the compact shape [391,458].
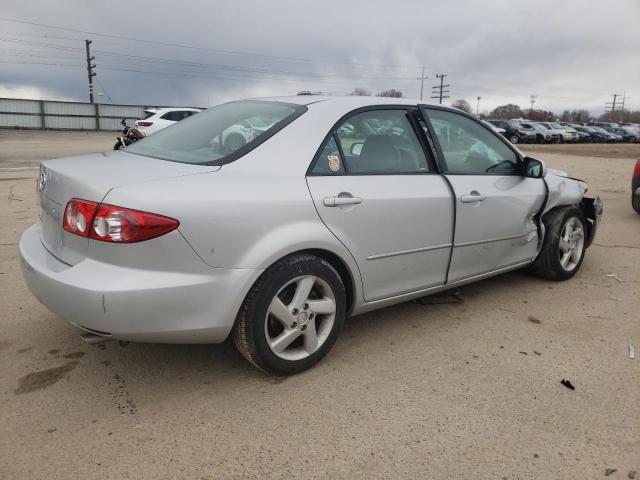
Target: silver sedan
[338,206]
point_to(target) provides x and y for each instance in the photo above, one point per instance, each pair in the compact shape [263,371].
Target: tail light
[144,124]
[636,170]
[110,223]
[78,216]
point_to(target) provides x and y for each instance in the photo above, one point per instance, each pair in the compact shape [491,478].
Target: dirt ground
[464,391]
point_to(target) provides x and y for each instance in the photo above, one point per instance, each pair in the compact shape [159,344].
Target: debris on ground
[537,352]
[533,319]
[441,299]
[632,352]
[609,471]
[523,353]
[567,384]
[615,276]
[631,474]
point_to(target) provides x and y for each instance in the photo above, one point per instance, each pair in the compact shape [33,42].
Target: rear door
[375,189]
[496,204]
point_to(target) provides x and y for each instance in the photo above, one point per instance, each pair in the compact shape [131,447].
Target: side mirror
[123,122]
[534,168]
[356,149]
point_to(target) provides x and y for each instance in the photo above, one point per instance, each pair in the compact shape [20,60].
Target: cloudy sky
[570,53]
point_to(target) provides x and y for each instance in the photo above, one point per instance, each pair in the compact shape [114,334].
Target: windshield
[219,135]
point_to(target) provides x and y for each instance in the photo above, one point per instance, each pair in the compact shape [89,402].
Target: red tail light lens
[145,124]
[78,216]
[636,170]
[110,223]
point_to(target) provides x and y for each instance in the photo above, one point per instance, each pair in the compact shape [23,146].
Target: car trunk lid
[91,177]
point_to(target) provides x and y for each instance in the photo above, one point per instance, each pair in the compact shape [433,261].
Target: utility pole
[532,100]
[478,107]
[624,97]
[612,105]
[439,90]
[422,78]
[90,67]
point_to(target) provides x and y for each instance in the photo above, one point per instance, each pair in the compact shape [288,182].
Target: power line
[193,47]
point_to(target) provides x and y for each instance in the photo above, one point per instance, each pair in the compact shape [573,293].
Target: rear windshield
[220,134]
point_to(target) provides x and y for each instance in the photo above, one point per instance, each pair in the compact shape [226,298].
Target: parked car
[277,242]
[628,134]
[569,134]
[513,131]
[499,130]
[635,188]
[240,133]
[595,136]
[156,119]
[610,137]
[539,133]
[608,126]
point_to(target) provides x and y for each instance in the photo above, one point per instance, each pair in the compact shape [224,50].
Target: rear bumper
[135,304]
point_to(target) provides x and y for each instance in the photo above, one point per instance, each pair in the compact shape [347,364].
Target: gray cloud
[571,53]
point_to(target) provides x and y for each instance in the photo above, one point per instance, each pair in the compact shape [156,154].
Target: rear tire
[117,146]
[292,315]
[564,245]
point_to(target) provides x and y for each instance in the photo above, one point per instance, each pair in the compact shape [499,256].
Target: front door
[496,204]
[375,190]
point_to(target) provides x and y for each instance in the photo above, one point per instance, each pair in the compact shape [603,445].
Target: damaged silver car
[338,206]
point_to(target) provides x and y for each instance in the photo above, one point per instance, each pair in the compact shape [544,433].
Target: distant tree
[578,116]
[392,92]
[507,111]
[360,92]
[540,115]
[462,105]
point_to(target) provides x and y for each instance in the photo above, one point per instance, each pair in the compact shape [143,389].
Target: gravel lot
[468,390]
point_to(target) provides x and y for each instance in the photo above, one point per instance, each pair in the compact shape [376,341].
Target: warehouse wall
[49,114]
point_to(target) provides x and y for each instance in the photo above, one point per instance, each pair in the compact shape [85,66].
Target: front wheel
[292,316]
[514,139]
[564,244]
[118,145]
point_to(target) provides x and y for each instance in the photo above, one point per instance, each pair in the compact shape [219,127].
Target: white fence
[55,115]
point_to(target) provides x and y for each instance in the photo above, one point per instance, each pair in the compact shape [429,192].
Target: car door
[379,194]
[496,205]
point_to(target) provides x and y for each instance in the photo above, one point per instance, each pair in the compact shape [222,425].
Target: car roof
[344,102]
[172,109]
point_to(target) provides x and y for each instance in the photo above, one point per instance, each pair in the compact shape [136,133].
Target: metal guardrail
[61,115]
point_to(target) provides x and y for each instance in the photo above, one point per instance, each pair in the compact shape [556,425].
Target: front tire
[514,139]
[118,145]
[564,244]
[292,315]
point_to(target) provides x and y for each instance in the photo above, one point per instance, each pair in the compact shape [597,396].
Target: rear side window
[373,142]
[217,135]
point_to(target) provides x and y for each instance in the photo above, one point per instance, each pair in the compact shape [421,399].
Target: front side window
[470,148]
[218,135]
[376,142]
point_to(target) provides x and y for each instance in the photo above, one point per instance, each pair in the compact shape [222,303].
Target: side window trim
[334,131]
[441,158]
[345,166]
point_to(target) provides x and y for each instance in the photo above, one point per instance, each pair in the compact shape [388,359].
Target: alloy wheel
[571,244]
[300,317]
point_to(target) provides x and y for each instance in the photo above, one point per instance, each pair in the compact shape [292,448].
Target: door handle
[337,201]
[472,197]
